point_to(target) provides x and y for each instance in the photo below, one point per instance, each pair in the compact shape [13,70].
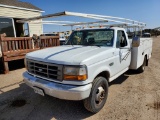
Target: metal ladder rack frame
[122,22]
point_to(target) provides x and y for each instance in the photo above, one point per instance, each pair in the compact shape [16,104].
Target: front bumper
[61,91]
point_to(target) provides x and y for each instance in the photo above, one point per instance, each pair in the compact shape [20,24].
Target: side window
[121,39]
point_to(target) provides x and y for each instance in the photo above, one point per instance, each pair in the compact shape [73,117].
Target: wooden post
[6,68]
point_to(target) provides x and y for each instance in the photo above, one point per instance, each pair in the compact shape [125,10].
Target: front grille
[45,70]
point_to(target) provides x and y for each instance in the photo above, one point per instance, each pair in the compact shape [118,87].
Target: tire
[142,68]
[98,96]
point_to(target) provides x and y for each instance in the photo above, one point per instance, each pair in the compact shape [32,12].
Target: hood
[71,55]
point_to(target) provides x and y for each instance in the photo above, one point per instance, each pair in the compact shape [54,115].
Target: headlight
[75,73]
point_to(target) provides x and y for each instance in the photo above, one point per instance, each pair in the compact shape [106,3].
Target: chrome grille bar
[50,71]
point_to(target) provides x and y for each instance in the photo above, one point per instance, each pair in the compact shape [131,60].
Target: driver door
[123,53]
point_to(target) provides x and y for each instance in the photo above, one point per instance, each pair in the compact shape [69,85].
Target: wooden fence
[15,48]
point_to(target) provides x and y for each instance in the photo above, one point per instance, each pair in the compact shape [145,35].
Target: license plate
[38,91]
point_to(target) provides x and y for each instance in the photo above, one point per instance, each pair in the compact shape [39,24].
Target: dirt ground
[132,96]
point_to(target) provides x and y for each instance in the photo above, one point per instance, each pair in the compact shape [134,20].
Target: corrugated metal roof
[18,3]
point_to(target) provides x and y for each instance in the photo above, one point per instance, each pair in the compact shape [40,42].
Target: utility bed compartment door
[139,52]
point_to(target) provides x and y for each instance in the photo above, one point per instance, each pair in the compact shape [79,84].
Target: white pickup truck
[82,68]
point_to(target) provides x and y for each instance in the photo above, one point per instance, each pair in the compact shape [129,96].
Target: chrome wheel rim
[100,95]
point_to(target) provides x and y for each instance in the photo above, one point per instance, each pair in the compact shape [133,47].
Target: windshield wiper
[92,45]
[97,45]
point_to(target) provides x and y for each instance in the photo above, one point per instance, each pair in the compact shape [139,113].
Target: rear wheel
[98,95]
[142,68]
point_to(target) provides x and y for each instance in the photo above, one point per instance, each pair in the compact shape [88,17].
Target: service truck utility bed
[139,49]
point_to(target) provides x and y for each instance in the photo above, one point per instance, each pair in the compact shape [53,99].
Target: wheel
[99,92]
[142,68]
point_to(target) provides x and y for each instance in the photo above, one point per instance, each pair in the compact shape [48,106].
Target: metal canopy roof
[102,18]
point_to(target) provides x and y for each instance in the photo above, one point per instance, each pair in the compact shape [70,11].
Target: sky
[147,11]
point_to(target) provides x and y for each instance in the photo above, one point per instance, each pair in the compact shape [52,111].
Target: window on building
[6,26]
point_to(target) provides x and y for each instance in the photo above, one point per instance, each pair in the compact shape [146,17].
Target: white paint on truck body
[114,60]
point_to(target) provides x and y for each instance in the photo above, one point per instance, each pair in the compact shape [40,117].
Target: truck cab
[110,43]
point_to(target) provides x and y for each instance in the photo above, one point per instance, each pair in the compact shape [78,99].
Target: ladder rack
[122,22]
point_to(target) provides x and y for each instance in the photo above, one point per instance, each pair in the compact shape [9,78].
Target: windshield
[94,37]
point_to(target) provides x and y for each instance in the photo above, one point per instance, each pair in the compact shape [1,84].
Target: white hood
[72,55]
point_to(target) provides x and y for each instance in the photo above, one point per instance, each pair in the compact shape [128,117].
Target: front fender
[97,69]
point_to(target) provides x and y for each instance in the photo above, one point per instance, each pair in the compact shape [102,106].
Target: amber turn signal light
[75,77]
